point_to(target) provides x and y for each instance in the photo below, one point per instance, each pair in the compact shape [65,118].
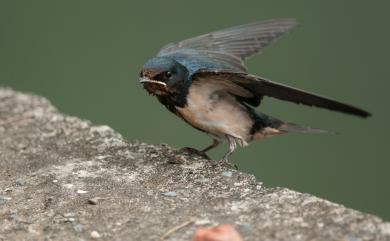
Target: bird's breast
[213,110]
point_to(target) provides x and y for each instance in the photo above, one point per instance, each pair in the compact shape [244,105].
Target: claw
[193,151]
[226,162]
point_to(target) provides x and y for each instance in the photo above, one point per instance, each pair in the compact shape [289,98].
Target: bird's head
[163,76]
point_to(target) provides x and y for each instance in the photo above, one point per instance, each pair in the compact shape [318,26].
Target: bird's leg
[232,148]
[201,153]
[216,142]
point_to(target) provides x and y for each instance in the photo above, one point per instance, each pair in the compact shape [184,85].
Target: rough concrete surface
[62,178]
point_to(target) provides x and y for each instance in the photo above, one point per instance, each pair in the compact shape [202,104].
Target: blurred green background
[85,57]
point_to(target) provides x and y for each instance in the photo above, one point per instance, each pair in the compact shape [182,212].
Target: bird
[204,81]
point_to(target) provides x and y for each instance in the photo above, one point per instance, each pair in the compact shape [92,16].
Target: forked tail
[292,127]
[267,126]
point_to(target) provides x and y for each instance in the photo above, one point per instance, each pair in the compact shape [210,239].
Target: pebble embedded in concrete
[227,174]
[4,199]
[169,194]
[21,182]
[95,235]
[93,201]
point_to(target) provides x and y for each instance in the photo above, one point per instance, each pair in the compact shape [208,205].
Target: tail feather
[292,127]
[267,126]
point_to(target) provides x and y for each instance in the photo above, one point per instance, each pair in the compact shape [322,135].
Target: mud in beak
[144,80]
[154,87]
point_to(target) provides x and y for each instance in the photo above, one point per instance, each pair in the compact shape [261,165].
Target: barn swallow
[204,81]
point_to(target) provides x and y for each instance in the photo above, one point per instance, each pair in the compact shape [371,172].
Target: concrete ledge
[62,178]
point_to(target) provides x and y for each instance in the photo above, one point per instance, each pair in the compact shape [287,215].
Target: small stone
[101,157]
[4,199]
[32,230]
[93,201]
[169,194]
[55,181]
[68,185]
[70,220]
[95,235]
[227,174]
[8,190]
[202,222]
[67,215]
[21,182]
[81,191]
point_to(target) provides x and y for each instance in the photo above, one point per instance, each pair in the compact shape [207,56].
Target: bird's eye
[168,74]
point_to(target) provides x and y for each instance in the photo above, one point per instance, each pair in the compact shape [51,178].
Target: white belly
[215,111]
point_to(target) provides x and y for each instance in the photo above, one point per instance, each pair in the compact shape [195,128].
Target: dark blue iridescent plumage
[204,81]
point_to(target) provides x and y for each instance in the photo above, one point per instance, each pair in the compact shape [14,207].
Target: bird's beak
[143,80]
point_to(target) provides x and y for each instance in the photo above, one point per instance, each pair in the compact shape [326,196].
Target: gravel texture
[62,178]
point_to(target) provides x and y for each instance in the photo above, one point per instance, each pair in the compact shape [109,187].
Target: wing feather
[263,87]
[236,43]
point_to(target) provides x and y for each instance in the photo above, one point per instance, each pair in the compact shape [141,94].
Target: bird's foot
[193,151]
[230,165]
[226,163]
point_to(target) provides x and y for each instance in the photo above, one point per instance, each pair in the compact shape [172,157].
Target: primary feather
[263,87]
[234,44]
[206,84]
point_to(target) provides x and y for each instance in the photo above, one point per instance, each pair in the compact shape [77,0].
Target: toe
[194,151]
[227,163]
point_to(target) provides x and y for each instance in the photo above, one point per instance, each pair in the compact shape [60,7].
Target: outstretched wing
[262,87]
[235,43]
